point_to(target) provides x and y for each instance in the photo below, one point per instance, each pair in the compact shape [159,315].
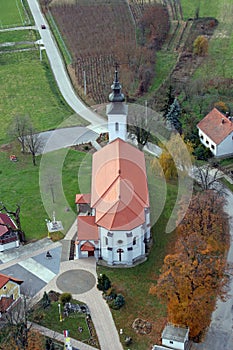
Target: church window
[117,126]
[106,240]
[134,241]
[119,241]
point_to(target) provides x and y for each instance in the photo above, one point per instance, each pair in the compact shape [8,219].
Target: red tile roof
[83,198]
[5,219]
[4,279]
[88,247]
[119,186]
[216,126]
[87,228]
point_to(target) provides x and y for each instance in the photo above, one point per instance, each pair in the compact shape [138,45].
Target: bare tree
[139,125]
[34,143]
[208,178]
[19,129]
[16,216]
[16,326]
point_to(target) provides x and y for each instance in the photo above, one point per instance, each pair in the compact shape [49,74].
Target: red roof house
[8,233]
[9,292]
[216,133]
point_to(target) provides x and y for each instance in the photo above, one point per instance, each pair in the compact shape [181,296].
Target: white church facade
[116,228]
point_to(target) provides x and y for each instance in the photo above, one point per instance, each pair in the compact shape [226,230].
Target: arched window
[134,241]
[117,126]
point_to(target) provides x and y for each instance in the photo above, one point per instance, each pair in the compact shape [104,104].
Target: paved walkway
[60,274]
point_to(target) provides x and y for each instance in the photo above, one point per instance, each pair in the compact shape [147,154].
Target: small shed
[175,337]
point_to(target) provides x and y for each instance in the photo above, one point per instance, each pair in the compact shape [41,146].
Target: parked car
[43,26]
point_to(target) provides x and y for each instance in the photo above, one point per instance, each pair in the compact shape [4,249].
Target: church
[113,222]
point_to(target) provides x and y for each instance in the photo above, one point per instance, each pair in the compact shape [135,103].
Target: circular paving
[76,281]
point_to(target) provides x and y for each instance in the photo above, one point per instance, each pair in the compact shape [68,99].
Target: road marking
[37,269]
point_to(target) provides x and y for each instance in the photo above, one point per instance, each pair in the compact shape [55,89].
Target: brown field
[100,34]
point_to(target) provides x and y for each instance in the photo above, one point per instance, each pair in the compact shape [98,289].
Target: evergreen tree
[173,115]
[169,101]
[104,283]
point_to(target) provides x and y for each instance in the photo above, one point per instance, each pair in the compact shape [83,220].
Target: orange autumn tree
[191,275]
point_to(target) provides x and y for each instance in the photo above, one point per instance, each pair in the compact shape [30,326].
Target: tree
[45,300]
[118,302]
[208,178]
[175,159]
[222,107]
[170,97]
[16,216]
[103,283]
[172,117]
[19,129]
[140,120]
[193,274]
[65,298]
[34,143]
[167,165]
[17,332]
[200,46]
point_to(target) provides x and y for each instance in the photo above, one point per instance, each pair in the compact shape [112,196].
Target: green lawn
[211,9]
[13,14]
[165,61]
[20,185]
[27,87]
[19,35]
[217,64]
[50,318]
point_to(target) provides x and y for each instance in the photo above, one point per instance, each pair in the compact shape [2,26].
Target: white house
[116,228]
[175,338]
[216,133]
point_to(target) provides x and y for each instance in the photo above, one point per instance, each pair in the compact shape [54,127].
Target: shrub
[202,153]
[104,283]
[200,46]
[65,298]
[45,300]
[117,303]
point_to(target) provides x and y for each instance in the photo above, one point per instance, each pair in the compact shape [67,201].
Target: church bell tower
[117,112]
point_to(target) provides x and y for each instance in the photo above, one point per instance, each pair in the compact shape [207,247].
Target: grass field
[219,63]
[27,87]
[165,61]
[20,185]
[13,14]
[19,35]
[49,317]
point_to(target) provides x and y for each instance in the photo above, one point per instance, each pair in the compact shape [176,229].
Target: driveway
[65,137]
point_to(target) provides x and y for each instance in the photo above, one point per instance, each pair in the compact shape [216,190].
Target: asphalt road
[59,70]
